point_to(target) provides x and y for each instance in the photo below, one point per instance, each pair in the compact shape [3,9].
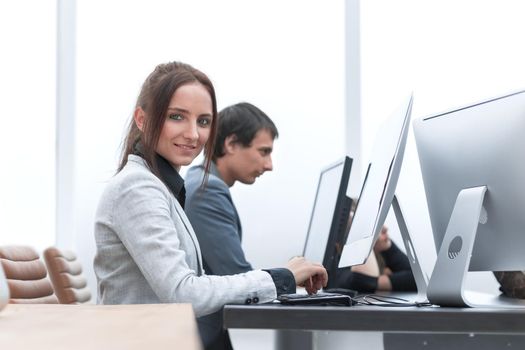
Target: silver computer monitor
[481,144]
[379,186]
[330,215]
[473,166]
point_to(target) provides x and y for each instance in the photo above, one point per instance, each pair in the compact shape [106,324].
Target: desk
[392,322]
[374,318]
[44,326]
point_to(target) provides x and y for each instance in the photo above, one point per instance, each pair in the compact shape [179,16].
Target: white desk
[155,326]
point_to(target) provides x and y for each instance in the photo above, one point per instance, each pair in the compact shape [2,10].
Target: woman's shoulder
[135,176]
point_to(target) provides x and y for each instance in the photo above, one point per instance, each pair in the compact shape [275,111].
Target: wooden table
[153,326]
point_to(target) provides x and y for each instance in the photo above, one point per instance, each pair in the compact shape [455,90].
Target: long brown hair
[154,98]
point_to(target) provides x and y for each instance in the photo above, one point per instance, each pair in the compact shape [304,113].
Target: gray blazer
[147,251]
[216,222]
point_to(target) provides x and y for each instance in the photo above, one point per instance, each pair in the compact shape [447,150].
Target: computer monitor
[472,163]
[379,186]
[378,195]
[329,217]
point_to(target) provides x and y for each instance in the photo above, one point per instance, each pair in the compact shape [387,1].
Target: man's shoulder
[194,178]
[194,174]
[213,194]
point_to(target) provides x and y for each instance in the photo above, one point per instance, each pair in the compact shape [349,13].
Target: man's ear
[230,144]
[139,117]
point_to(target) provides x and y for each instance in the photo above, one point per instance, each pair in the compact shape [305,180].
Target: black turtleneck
[172,179]
[168,174]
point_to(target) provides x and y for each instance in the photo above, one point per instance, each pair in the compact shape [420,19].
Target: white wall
[449,53]
[27,90]
[285,57]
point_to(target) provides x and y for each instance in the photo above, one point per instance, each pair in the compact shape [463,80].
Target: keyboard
[319,299]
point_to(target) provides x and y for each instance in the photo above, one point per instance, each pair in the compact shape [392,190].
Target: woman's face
[187,125]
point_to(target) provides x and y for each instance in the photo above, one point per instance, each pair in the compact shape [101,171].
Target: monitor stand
[447,283]
[419,276]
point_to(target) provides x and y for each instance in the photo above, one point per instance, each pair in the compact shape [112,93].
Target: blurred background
[327,73]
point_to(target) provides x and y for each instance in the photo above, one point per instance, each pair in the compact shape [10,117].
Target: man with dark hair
[243,152]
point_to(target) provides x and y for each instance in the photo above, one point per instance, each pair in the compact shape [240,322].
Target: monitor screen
[330,215]
[379,186]
[479,145]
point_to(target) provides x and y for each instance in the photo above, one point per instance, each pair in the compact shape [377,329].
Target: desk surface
[158,326]
[375,318]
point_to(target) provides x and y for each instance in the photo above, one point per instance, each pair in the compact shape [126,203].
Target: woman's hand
[311,276]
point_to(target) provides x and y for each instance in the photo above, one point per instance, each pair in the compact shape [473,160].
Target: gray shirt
[147,251]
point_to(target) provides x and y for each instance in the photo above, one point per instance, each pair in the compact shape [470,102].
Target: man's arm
[215,221]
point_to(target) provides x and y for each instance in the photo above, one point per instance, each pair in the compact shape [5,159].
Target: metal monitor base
[447,283]
[419,276]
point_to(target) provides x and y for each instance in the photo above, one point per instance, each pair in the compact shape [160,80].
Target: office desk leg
[293,339]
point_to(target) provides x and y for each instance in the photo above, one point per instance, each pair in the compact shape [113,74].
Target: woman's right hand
[311,276]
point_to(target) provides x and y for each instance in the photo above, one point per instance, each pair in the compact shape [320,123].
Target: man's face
[248,163]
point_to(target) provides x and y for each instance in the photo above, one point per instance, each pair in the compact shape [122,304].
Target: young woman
[147,251]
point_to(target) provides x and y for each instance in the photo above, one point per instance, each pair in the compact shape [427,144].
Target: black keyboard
[319,299]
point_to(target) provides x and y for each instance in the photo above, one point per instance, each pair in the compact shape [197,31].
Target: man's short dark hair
[242,120]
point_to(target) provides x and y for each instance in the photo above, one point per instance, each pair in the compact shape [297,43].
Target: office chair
[4,289]
[26,276]
[65,272]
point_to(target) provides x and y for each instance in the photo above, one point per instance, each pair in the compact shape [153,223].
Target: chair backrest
[65,272]
[26,276]
[4,289]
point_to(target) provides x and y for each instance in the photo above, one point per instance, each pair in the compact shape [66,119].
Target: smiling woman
[147,251]
[173,117]
[187,127]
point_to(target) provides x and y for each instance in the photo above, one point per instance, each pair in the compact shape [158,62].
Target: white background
[27,97]
[273,54]
[449,54]
[287,57]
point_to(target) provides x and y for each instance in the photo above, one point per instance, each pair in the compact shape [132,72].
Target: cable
[390,301]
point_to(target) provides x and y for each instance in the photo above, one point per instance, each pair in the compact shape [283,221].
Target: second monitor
[329,219]
[379,186]
[378,195]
